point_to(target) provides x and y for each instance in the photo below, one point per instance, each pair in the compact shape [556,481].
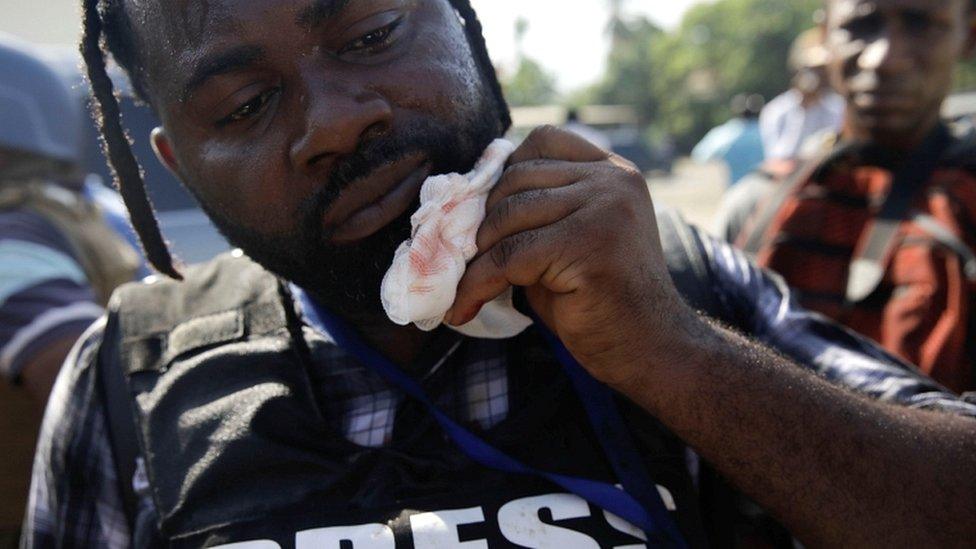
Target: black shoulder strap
[121,426]
[868,267]
[687,261]
[766,214]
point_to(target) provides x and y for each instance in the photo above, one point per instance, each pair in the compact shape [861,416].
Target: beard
[347,278]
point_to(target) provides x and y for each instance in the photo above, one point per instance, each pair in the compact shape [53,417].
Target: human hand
[574,225]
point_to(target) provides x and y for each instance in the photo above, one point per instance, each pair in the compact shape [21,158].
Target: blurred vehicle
[591,134]
[192,237]
[617,123]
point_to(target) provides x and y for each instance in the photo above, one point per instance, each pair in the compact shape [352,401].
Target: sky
[566,36]
[569,41]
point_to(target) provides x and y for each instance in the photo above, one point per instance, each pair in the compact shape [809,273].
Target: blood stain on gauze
[421,285]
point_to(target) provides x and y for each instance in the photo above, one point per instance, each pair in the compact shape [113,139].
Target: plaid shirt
[75,502]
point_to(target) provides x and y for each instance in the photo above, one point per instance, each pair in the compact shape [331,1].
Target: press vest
[237,450]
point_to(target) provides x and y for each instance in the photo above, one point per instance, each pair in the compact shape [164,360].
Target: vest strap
[868,267]
[755,234]
[121,424]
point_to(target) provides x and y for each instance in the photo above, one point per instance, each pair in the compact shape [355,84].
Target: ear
[164,150]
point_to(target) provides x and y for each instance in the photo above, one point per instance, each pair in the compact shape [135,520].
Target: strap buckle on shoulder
[877,244]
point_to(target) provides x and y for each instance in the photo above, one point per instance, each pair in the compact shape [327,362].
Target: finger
[522,259]
[555,144]
[538,174]
[527,210]
[491,274]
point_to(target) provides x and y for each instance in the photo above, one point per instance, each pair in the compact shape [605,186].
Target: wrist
[666,354]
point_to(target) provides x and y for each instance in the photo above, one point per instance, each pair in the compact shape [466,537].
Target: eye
[374,40]
[865,26]
[251,108]
[917,21]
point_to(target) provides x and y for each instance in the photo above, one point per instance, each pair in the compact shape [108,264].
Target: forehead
[177,34]
[187,23]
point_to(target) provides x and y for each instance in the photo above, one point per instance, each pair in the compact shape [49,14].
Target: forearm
[835,467]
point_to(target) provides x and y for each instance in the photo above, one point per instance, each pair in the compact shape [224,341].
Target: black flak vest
[237,450]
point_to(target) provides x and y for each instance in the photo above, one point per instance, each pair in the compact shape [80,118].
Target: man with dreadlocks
[284,410]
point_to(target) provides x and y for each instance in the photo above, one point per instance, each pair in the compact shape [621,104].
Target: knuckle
[500,215]
[509,174]
[517,172]
[545,130]
[587,171]
[517,203]
[512,207]
[618,205]
[537,164]
[507,251]
[623,163]
[628,168]
[542,134]
[501,253]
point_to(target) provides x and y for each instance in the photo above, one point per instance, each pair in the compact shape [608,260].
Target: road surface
[694,190]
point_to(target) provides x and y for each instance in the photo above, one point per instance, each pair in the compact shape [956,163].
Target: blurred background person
[808,108]
[878,231]
[59,257]
[737,143]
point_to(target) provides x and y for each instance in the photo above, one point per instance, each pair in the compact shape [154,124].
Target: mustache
[436,142]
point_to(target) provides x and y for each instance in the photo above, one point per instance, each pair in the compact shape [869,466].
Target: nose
[337,120]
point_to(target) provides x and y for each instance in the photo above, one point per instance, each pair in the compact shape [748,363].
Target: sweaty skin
[568,222]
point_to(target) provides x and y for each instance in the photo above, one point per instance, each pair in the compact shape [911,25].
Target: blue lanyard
[644,509]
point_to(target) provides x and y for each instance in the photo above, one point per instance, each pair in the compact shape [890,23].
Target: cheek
[938,61]
[246,186]
[447,82]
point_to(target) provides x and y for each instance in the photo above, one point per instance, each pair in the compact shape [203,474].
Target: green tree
[682,81]
[632,66]
[617,27]
[530,84]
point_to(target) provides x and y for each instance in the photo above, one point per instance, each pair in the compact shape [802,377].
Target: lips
[367,205]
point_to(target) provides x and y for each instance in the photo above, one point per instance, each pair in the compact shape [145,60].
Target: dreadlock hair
[476,38]
[106,21]
[125,168]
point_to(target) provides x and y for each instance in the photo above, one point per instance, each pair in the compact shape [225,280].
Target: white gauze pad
[421,285]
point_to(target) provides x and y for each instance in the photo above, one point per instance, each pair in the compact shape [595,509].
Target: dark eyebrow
[319,12]
[221,63]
